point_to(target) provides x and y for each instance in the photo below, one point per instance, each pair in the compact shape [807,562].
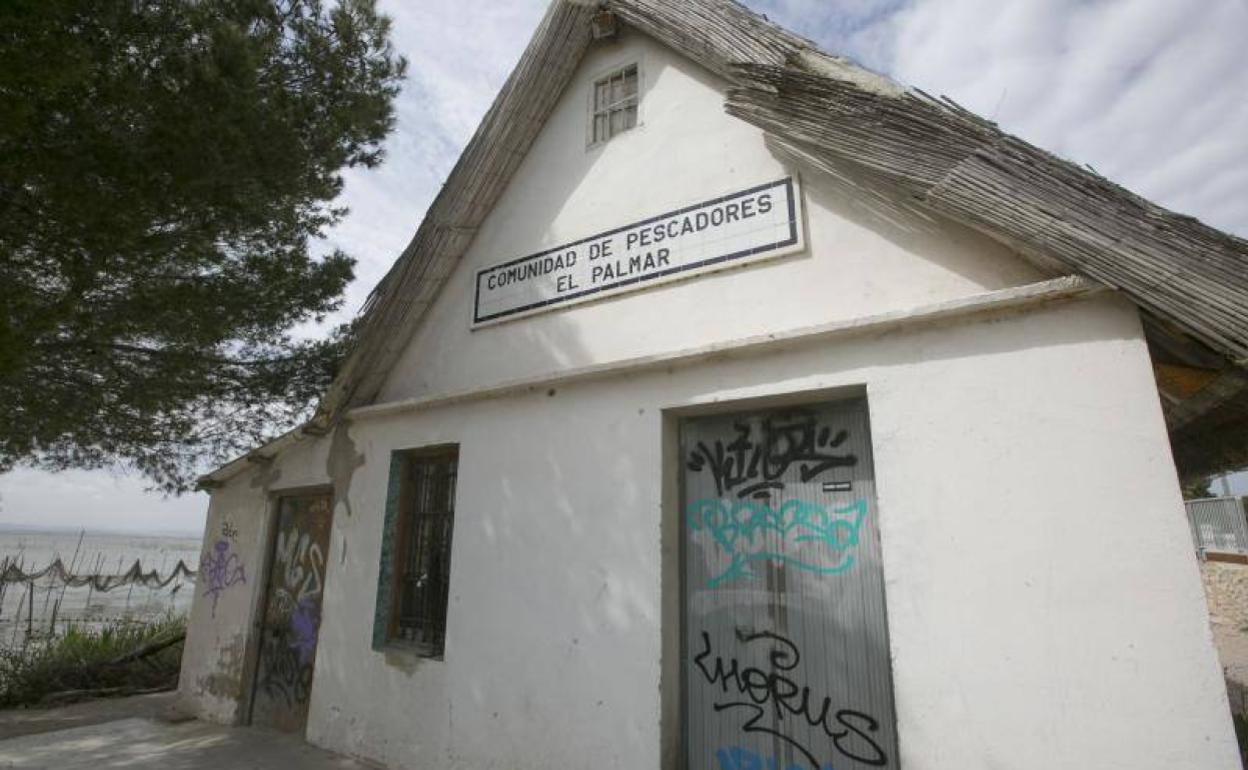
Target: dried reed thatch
[967,169]
[1065,218]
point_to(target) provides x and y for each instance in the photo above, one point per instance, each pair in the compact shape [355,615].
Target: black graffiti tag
[850,731]
[286,675]
[787,439]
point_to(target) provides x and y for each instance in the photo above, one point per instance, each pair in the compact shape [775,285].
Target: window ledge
[412,651]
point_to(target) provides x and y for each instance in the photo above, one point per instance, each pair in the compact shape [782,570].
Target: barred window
[422,550]
[615,103]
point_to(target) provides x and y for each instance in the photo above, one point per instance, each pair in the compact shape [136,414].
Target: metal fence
[1218,524]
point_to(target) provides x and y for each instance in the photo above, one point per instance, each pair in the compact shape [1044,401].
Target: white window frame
[593,112]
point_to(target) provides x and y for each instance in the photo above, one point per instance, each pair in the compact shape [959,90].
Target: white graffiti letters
[300,563]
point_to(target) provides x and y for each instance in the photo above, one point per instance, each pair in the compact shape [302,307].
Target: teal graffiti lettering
[739,529]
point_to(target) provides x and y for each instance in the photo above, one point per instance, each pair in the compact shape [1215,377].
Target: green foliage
[80,659]
[1197,489]
[165,168]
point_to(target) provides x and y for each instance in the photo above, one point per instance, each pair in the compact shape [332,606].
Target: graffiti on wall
[293,616]
[754,462]
[786,650]
[753,693]
[221,567]
[803,535]
[737,758]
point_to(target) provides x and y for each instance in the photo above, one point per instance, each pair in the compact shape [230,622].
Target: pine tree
[166,167]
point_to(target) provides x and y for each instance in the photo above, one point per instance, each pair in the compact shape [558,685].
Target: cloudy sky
[1151,93]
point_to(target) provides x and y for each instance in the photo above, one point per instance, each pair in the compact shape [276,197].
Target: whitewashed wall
[1044,604]
[1041,589]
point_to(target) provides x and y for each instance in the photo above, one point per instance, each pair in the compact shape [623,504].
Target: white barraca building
[736,408]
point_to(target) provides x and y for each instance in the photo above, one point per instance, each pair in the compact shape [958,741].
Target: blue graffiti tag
[740,527]
[737,758]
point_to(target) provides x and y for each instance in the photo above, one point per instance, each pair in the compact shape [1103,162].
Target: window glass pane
[630,82]
[615,103]
[448,488]
[617,89]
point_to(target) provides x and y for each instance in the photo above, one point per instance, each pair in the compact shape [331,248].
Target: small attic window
[615,104]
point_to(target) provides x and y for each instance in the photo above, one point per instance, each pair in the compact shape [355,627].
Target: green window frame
[413,584]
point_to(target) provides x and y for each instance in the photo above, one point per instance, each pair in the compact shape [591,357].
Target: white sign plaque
[757,223]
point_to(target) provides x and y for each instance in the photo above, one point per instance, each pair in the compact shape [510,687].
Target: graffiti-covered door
[785,651]
[292,613]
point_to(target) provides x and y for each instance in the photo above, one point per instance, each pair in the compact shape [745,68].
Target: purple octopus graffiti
[220,569]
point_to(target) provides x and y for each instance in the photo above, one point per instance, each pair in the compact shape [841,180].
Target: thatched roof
[1190,280]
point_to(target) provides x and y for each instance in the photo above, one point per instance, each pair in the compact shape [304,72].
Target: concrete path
[17,722]
[151,744]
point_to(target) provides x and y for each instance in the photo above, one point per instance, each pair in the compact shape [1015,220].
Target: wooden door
[785,648]
[291,620]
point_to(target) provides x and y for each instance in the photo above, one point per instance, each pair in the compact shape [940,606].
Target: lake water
[91,553]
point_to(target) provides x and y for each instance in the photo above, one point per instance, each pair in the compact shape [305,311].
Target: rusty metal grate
[423,579]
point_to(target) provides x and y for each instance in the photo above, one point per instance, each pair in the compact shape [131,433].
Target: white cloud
[1151,93]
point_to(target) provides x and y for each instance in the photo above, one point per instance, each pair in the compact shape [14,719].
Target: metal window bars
[425,566]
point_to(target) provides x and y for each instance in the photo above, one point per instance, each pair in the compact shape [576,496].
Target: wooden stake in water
[130,589]
[95,573]
[17,619]
[151,587]
[52,624]
[56,558]
[30,613]
[73,563]
[4,584]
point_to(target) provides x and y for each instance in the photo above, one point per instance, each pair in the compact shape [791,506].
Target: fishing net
[136,575]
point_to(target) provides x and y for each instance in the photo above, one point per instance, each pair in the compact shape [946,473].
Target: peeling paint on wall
[226,681]
[341,464]
[265,477]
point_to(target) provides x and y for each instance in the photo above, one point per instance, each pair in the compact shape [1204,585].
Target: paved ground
[91,736]
[17,722]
